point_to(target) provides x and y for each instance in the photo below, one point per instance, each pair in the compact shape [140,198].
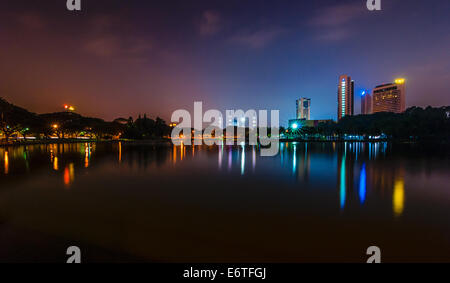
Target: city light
[69,174]
[55,164]
[353,161]
[69,107]
[343,100]
[398,198]
[87,154]
[6,157]
[362,184]
[120,152]
[343,185]
[243,159]
[66,176]
[400,81]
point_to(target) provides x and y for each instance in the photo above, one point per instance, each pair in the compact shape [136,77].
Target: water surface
[314,202]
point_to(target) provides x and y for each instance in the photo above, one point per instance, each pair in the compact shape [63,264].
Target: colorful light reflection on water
[369,186]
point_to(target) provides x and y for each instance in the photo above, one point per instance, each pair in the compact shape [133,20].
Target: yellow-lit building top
[399,81]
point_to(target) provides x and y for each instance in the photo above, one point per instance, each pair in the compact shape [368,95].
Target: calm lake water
[314,202]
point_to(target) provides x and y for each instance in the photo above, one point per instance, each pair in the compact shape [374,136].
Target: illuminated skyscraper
[390,97]
[366,102]
[304,108]
[346,90]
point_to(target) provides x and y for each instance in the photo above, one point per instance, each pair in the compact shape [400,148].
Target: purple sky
[120,58]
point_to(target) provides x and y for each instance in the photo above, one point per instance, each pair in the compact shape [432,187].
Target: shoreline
[66,141]
[443,141]
[167,141]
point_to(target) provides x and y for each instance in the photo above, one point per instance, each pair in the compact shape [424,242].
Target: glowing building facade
[345,95]
[390,97]
[304,108]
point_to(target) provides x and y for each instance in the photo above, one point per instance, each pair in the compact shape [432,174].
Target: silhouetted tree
[14,119]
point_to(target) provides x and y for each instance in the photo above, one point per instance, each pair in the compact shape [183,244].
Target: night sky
[119,58]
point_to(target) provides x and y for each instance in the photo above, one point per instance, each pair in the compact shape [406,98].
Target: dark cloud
[339,14]
[333,23]
[334,34]
[258,38]
[113,46]
[31,20]
[106,39]
[157,56]
[210,23]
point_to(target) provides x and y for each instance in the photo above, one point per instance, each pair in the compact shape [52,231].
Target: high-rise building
[346,89]
[390,97]
[304,108]
[366,102]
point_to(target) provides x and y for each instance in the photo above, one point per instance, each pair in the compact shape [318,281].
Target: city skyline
[237,139]
[116,59]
